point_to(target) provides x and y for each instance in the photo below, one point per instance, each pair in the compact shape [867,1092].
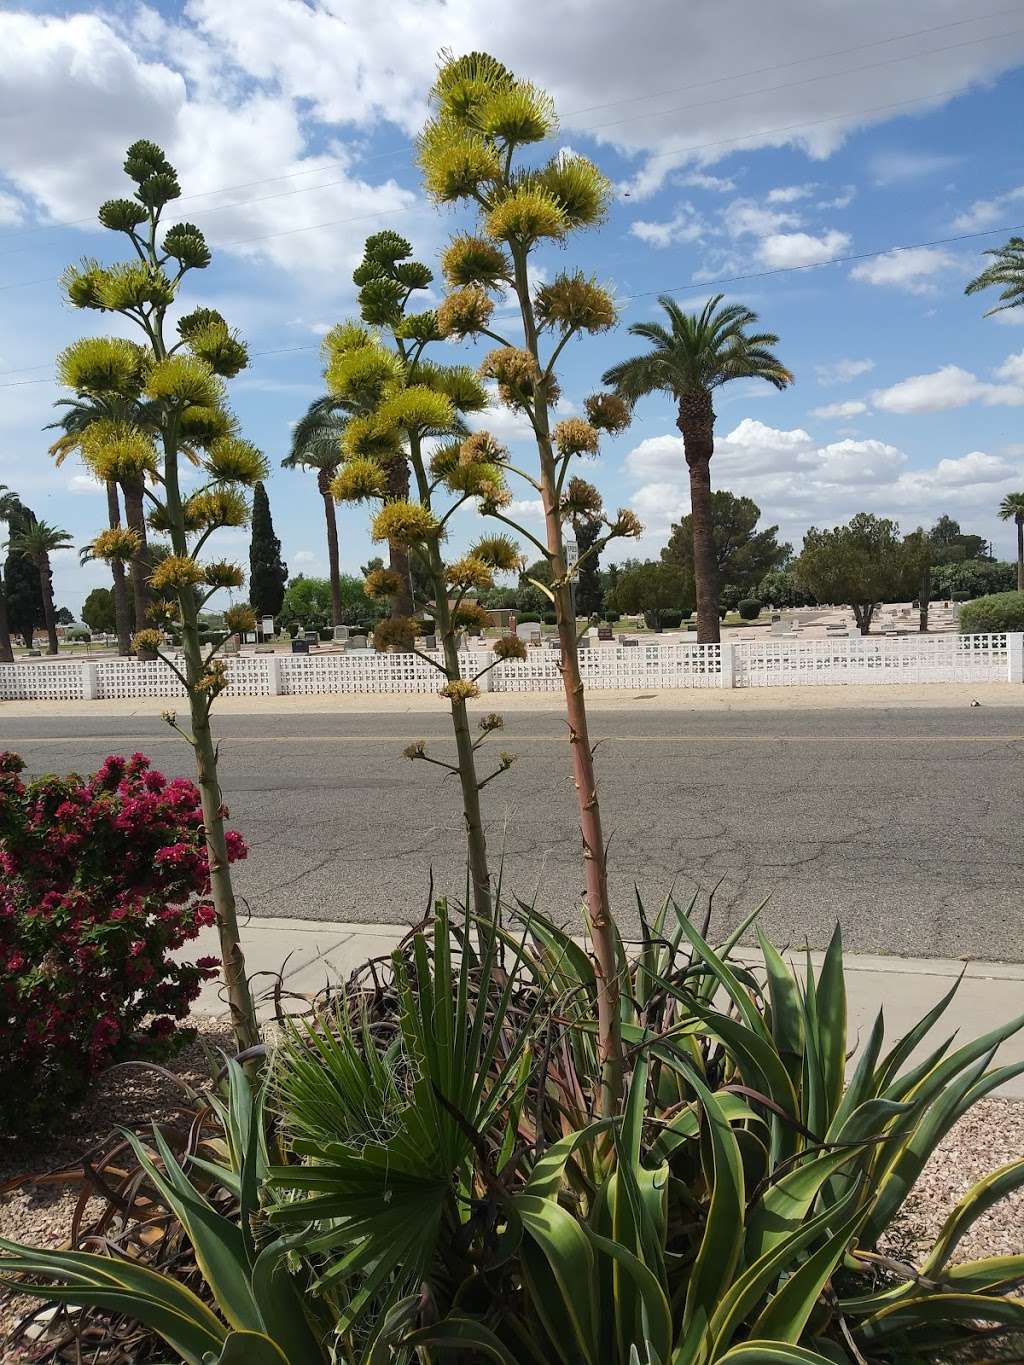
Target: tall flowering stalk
[407,450]
[483,119]
[160,402]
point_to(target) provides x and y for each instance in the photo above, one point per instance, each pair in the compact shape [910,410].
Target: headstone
[341,632]
[428,642]
[267,627]
[251,637]
[584,642]
[357,642]
[605,633]
[300,646]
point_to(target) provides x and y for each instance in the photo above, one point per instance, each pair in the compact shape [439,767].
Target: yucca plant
[141,410]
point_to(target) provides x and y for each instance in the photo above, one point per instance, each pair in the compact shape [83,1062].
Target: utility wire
[674,289]
[584,128]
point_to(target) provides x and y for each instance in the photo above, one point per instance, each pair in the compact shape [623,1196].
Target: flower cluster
[101,880]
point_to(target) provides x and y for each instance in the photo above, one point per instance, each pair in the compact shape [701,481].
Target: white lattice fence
[617,666]
[870,659]
[359,672]
[763,663]
[41,682]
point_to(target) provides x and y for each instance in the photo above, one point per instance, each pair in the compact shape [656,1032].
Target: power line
[675,289]
[403,151]
[674,151]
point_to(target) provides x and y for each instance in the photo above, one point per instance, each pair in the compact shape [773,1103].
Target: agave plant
[436,1188]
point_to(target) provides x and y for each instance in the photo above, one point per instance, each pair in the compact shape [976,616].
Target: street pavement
[902,823]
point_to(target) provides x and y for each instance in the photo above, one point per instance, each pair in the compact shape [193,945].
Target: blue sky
[741,143]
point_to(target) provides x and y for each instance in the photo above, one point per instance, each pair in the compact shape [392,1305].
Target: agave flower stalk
[148,406]
[406,449]
[483,117]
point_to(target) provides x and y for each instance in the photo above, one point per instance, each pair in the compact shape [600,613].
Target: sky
[776,154]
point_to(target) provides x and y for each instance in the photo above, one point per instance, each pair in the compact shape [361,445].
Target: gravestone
[300,646]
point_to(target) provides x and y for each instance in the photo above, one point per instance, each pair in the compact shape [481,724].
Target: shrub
[964,596]
[1000,611]
[102,878]
[749,609]
[611,617]
[549,618]
[326,633]
[750,1187]
[670,618]
[293,629]
[525,617]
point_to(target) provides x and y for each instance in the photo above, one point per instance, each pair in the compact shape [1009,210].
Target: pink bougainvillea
[101,879]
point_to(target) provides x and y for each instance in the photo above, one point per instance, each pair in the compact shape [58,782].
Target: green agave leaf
[786,1315]
[685,1124]
[771,1353]
[218,1243]
[548,1175]
[655,1313]
[558,1264]
[722,1243]
[460,1334]
[787,1013]
[831,1023]
[157,1301]
[281,1304]
[251,1348]
[908,1044]
[727,979]
[761,1275]
[976,1202]
[863,1082]
[942,1310]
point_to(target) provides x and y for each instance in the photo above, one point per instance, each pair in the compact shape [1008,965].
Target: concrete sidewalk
[313,953]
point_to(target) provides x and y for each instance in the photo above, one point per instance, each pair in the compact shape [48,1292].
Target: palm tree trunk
[49,619]
[6,647]
[333,560]
[925,597]
[1020,553]
[696,421]
[122,606]
[398,555]
[135,516]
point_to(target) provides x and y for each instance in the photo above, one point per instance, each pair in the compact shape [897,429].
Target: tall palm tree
[78,415]
[316,444]
[9,503]
[37,542]
[1006,270]
[688,360]
[1012,509]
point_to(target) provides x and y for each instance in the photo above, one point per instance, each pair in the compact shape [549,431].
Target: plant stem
[601,922]
[333,559]
[122,607]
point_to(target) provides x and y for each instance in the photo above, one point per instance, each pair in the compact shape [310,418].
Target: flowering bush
[100,880]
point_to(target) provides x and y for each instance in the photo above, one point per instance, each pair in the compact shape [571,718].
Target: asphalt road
[904,825]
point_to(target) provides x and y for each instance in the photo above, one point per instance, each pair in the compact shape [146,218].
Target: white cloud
[842,200]
[842,371]
[700,180]
[527,507]
[790,194]
[84,483]
[985,213]
[910,269]
[302,558]
[890,168]
[797,482]
[784,249]
[685,225]
[748,218]
[852,408]
[953,387]
[12,210]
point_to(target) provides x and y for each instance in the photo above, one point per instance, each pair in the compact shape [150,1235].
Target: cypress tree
[22,587]
[589,593]
[268,573]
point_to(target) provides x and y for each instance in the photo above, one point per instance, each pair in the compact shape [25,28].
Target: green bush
[749,609]
[612,616]
[964,596]
[729,1211]
[670,620]
[528,617]
[549,618]
[1000,611]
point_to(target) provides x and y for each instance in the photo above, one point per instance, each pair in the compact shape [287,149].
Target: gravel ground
[991,1135]
[41,1215]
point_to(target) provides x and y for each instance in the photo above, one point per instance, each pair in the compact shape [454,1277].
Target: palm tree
[37,542]
[1012,509]
[1007,270]
[80,413]
[691,358]
[9,504]
[316,444]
